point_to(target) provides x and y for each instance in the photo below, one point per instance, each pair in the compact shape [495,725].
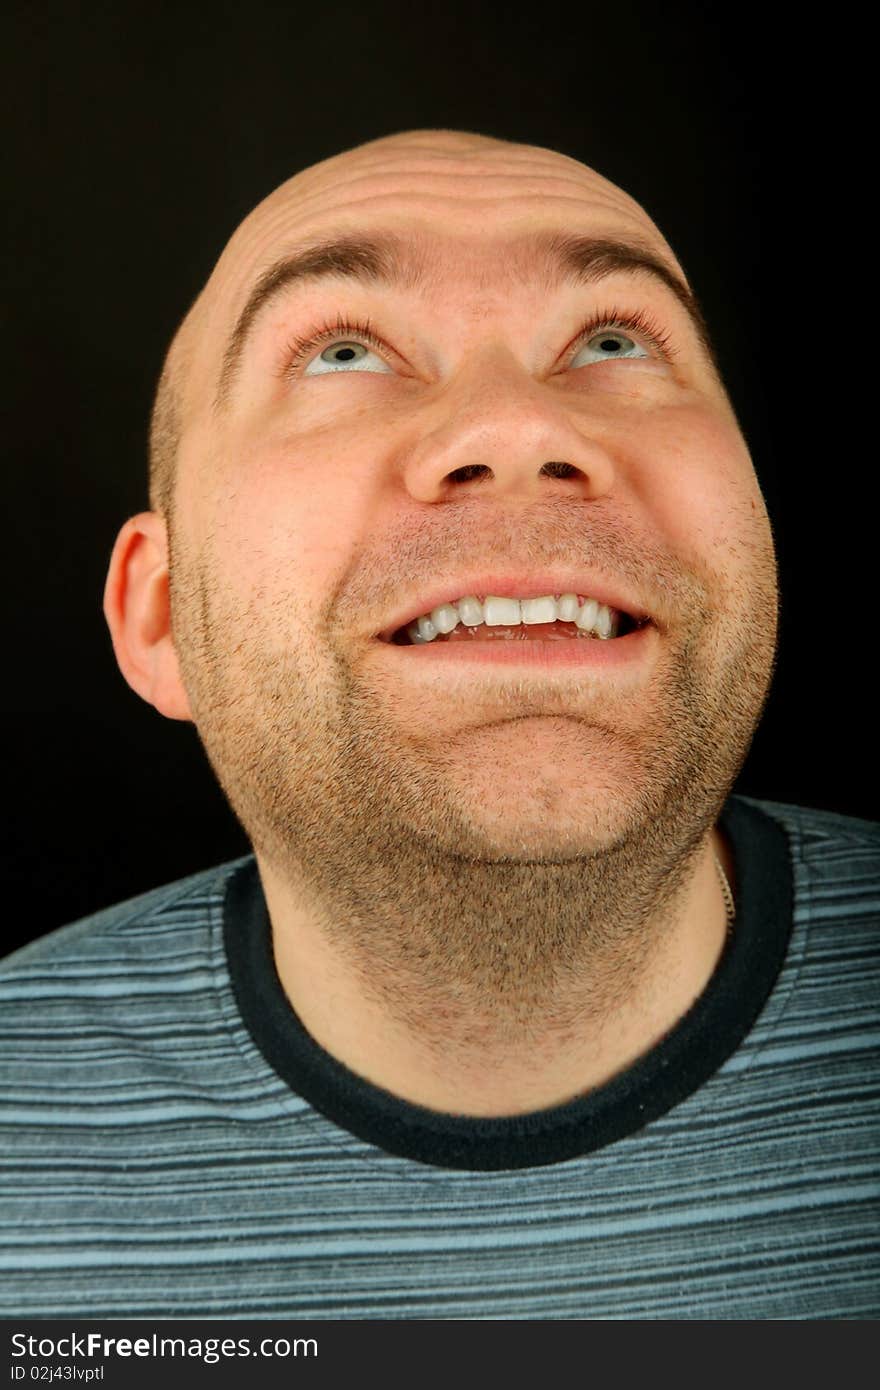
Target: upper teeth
[587,614]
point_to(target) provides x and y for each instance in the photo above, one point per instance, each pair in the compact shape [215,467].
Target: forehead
[459,202]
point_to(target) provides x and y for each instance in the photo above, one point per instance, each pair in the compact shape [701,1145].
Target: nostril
[470,470]
[559,470]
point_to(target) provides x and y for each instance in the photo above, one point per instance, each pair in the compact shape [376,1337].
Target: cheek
[290,512]
[694,474]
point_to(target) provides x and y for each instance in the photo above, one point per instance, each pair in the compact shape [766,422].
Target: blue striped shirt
[175,1145]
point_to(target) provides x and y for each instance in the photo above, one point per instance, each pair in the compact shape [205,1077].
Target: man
[457,559]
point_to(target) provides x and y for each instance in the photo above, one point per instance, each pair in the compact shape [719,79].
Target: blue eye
[345,356]
[607,345]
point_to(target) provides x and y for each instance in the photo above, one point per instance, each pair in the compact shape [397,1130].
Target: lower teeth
[520,633]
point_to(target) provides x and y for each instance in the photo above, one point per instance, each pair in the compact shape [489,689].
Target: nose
[496,431]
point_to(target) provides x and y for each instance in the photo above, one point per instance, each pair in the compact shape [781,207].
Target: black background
[140,136]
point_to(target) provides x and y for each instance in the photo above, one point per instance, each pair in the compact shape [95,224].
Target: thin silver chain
[729,904]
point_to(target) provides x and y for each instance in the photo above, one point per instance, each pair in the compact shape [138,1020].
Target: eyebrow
[386,259]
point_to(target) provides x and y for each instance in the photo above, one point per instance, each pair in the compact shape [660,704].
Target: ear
[138,613]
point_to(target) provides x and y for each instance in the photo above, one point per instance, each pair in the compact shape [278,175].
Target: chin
[559,808]
[527,836]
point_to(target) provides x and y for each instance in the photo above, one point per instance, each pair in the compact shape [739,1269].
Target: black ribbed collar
[686,1057]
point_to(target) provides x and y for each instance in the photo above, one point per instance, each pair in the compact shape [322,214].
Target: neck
[508,1018]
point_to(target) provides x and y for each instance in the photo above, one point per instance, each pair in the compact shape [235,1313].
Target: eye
[345,356]
[606,345]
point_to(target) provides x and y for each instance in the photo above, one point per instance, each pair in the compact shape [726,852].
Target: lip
[603,590]
[596,653]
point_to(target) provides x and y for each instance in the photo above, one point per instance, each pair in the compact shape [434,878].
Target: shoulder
[116,929]
[122,987]
[819,838]
[117,1019]
[818,825]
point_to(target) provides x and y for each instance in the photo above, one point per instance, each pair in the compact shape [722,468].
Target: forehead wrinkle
[313,194]
[410,190]
[414,161]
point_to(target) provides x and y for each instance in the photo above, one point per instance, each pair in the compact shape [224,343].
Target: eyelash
[639,322]
[297,348]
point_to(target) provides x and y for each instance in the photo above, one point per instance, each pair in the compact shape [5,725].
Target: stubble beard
[461,939]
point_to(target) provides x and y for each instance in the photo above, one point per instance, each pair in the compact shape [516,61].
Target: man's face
[332,497]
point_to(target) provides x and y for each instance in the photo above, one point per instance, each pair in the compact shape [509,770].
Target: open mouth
[552,618]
